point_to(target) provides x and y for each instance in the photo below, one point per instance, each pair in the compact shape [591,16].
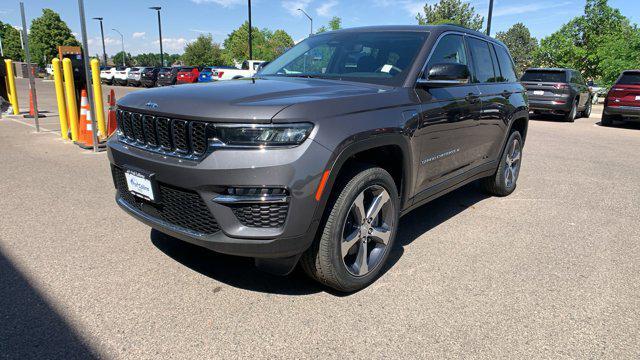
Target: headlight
[261,135]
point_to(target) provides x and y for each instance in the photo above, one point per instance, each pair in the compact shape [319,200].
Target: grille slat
[261,215]
[173,137]
[179,207]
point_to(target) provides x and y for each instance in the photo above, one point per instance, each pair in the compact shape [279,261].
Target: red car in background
[623,100]
[187,75]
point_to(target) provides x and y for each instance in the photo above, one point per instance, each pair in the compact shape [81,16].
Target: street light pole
[489,18]
[104,51]
[310,19]
[250,35]
[157,8]
[124,54]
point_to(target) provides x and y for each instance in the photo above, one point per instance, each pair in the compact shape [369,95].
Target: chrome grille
[173,137]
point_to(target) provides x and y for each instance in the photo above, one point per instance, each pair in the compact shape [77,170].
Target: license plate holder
[141,185]
[637,97]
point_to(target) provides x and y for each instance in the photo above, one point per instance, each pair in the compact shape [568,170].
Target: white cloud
[173,44]
[326,9]
[411,7]
[292,6]
[138,35]
[223,3]
[521,9]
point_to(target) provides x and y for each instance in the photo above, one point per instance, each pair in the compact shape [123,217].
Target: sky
[184,20]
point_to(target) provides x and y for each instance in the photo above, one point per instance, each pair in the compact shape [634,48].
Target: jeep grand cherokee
[314,159]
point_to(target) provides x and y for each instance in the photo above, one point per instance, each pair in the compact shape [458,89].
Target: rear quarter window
[507,70]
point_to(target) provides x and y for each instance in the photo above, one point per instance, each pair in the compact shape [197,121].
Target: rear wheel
[358,232]
[606,120]
[571,115]
[503,182]
[587,110]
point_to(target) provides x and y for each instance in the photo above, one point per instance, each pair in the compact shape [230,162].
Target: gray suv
[313,160]
[558,91]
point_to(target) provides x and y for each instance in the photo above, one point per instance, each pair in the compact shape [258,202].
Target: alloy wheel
[512,168]
[367,231]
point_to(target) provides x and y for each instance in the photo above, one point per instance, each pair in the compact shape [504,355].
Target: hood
[245,100]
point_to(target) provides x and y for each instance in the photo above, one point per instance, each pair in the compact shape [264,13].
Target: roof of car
[549,69]
[417,28]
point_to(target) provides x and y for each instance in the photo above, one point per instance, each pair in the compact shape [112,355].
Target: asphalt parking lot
[552,271]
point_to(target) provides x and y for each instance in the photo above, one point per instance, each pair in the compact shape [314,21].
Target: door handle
[472,98]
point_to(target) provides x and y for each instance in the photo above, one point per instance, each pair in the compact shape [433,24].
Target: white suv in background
[106,75]
[121,76]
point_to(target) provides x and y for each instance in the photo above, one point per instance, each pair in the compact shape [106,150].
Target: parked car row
[163,76]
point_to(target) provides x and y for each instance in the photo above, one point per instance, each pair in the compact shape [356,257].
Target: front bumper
[627,112]
[296,169]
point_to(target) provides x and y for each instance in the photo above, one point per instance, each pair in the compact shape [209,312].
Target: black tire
[573,113]
[606,120]
[587,110]
[498,184]
[324,260]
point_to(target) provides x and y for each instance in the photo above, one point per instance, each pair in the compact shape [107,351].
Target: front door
[448,120]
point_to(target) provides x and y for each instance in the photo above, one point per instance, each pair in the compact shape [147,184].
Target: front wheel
[503,182]
[358,233]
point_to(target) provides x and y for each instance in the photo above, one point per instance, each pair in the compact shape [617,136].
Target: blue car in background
[206,75]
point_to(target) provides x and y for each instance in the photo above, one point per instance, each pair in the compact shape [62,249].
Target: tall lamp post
[157,8]
[124,54]
[310,19]
[489,18]
[104,51]
[250,35]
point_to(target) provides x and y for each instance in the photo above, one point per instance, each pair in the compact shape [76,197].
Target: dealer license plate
[538,92]
[637,97]
[139,185]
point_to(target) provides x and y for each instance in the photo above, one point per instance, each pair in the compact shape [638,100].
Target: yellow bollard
[13,95]
[72,105]
[97,98]
[62,107]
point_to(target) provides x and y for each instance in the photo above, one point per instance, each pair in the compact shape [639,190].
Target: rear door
[546,85]
[493,95]
[626,91]
[581,88]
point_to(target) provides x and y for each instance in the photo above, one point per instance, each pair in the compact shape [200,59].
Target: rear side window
[450,49]
[186,69]
[482,62]
[506,65]
[545,76]
[629,78]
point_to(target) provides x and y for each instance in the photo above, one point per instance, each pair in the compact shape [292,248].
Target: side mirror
[446,74]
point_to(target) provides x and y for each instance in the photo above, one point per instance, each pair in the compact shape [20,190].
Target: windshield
[629,78]
[375,57]
[545,76]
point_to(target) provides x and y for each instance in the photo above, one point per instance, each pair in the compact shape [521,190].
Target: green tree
[145,59]
[334,24]
[267,44]
[521,45]
[11,42]
[278,42]
[117,59]
[203,51]
[579,43]
[452,12]
[618,52]
[47,32]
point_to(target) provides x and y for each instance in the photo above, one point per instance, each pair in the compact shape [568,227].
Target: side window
[482,60]
[496,68]
[450,49]
[506,65]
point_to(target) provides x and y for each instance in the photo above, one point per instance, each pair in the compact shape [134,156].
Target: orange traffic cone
[32,112]
[111,114]
[85,129]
